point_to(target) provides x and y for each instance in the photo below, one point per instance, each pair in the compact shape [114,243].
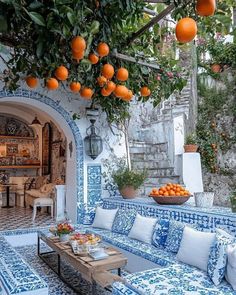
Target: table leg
[58,265]
[8,198]
[38,246]
[119,272]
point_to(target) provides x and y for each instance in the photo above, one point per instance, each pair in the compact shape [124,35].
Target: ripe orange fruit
[206,7]
[86,93]
[93,58]
[52,84]
[104,92]
[166,194]
[78,44]
[155,190]
[101,81]
[103,49]
[171,193]
[145,91]
[121,91]
[61,73]
[186,30]
[108,71]
[75,86]
[32,82]
[215,68]
[78,55]
[111,86]
[129,96]
[122,74]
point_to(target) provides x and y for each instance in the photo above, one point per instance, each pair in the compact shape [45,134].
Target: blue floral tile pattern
[218,258]
[160,232]
[123,221]
[146,251]
[120,289]
[177,279]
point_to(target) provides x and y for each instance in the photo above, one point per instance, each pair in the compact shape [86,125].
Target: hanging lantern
[93,142]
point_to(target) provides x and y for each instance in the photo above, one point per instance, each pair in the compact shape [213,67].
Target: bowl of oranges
[170,194]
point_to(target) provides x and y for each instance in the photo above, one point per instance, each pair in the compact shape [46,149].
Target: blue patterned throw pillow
[160,232]
[175,234]
[123,221]
[217,261]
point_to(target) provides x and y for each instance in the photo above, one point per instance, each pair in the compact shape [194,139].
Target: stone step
[159,156]
[148,148]
[160,172]
[141,165]
[162,180]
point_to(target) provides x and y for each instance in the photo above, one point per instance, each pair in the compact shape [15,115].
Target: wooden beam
[152,22]
[134,60]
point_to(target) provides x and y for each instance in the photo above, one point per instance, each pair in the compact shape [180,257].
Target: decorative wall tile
[206,219]
[94,180]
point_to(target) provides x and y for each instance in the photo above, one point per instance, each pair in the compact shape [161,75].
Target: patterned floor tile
[18,217]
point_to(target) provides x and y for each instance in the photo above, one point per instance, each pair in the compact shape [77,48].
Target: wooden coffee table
[95,272]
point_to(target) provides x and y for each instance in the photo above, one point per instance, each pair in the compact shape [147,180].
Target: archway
[75,156]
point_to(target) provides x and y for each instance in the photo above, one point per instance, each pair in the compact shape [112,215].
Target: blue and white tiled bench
[16,276]
[177,279]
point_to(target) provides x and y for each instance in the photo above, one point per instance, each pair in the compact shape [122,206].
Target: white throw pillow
[231,266]
[104,218]
[143,228]
[195,247]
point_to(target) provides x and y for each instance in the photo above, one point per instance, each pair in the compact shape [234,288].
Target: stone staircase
[151,151]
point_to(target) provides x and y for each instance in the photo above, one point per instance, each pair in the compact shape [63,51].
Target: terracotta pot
[190,148]
[216,68]
[128,192]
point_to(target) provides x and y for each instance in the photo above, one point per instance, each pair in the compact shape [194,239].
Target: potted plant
[233,201]
[128,181]
[190,144]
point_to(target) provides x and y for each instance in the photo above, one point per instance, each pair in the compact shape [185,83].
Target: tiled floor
[18,217]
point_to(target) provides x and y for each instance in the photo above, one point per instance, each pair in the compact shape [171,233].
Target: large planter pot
[190,148]
[128,192]
[204,199]
[233,202]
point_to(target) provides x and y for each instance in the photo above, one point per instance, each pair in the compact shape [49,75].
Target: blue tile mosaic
[205,219]
[94,181]
[74,128]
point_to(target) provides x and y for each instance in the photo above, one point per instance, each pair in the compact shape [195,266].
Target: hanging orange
[52,84]
[108,71]
[105,92]
[215,68]
[75,86]
[101,81]
[86,93]
[61,73]
[93,58]
[121,91]
[122,74]
[186,30]
[78,44]
[129,96]
[78,54]
[145,91]
[103,49]
[32,82]
[111,86]
[206,7]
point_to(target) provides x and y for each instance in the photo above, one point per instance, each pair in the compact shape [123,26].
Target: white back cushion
[143,228]
[195,247]
[231,266]
[104,218]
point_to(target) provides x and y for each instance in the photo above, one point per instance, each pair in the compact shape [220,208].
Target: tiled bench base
[16,276]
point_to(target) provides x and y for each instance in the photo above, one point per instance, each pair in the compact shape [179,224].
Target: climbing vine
[217,101]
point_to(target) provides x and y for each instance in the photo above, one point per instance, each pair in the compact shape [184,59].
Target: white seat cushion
[36,193]
[43,202]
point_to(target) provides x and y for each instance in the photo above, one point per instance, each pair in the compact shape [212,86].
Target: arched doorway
[75,154]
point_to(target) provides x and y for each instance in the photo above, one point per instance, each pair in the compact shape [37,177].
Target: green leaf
[3,24]
[37,18]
